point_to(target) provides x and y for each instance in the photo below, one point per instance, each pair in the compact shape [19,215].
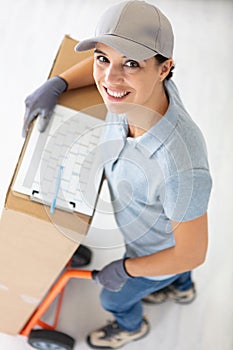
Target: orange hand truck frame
[48,338]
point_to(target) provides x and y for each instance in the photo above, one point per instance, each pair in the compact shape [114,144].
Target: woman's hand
[113,276]
[41,103]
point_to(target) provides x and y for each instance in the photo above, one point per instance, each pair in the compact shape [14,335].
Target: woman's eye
[132,64]
[102,59]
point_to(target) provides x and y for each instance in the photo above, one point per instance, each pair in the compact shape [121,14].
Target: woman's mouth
[116,95]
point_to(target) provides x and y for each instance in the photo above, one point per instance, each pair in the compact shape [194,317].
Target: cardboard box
[33,250]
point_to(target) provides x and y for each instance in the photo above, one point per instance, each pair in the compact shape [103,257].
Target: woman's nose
[114,73]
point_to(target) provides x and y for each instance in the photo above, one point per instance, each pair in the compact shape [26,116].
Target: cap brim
[127,47]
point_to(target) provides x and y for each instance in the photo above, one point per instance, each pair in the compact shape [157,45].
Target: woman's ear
[165,68]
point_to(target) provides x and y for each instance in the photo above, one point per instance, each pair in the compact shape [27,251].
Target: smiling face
[123,81]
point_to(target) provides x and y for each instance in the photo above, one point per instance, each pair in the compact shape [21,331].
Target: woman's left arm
[191,239]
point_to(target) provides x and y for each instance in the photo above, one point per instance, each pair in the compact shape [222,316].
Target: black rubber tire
[81,257]
[44,339]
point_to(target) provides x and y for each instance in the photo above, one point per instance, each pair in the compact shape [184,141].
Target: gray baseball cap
[137,29]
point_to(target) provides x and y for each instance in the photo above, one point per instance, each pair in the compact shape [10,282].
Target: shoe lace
[111,329]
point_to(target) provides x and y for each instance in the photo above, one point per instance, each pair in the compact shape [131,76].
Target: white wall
[31,32]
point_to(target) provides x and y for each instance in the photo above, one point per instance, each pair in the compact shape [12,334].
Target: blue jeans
[126,304]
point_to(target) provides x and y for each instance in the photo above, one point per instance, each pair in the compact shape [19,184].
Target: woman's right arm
[79,75]
[42,101]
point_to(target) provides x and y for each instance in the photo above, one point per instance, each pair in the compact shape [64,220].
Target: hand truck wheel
[44,339]
[81,257]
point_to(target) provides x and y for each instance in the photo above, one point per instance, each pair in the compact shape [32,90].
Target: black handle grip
[94,274]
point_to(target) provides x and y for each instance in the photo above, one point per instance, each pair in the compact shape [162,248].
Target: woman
[156,165]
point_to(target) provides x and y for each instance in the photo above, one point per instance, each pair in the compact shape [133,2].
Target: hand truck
[48,338]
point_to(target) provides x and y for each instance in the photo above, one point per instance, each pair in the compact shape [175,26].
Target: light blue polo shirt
[159,177]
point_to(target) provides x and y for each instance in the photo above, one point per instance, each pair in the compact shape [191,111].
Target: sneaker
[113,337]
[171,293]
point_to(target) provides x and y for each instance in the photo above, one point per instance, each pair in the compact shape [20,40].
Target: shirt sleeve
[185,195]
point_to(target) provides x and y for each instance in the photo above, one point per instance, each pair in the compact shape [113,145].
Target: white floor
[31,32]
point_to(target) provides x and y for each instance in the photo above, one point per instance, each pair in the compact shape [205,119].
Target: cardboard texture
[35,247]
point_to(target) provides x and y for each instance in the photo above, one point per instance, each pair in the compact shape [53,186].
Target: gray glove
[113,276]
[42,102]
